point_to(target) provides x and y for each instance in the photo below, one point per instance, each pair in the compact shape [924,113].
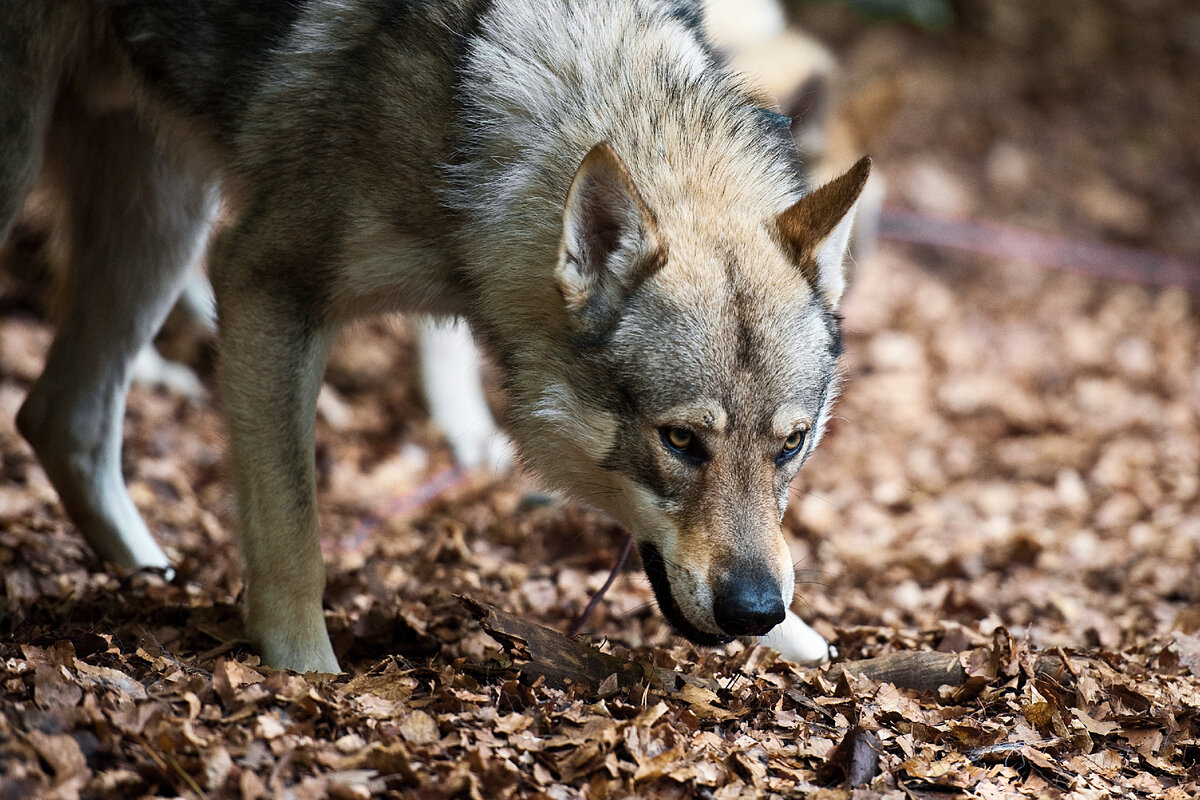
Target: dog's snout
[748,604]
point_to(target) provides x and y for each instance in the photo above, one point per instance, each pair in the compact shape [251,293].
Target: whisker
[810,493]
[638,609]
[807,606]
[799,573]
[617,569]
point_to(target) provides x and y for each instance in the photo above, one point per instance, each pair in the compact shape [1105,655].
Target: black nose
[748,604]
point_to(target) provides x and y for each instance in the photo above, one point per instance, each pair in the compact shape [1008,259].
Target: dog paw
[152,574]
[296,650]
[796,641]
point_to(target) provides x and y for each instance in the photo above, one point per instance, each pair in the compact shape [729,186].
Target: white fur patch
[707,414]
[789,419]
[831,259]
[795,640]
[593,430]
[453,385]
[151,369]
[831,396]
[689,586]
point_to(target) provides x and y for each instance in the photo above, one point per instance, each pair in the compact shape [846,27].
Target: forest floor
[1011,491]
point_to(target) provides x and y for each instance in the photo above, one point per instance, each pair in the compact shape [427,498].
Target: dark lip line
[655,567]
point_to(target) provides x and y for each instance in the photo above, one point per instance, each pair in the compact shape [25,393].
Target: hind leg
[137,219]
[453,385]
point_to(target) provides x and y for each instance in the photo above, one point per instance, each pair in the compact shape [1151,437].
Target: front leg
[272,356]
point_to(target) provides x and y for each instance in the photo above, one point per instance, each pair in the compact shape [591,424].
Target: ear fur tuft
[610,241]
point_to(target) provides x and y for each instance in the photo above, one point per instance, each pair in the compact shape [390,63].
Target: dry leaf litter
[1011,491]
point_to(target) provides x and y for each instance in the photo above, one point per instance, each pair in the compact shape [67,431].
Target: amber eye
[679,438]
[683,444]
[793,443]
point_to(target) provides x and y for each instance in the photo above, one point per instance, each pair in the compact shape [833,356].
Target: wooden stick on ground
[925,670]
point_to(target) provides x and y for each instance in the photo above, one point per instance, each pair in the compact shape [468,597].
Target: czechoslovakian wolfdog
[629,235]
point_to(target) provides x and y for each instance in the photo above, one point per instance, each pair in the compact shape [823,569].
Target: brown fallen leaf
[106,678]
[66,760]
[854,761]
[703,702]
[417,727]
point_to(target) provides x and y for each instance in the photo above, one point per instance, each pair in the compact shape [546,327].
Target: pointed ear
[610,240]
[818,226]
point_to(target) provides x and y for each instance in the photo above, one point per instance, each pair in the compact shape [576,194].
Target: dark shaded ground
[1015,470]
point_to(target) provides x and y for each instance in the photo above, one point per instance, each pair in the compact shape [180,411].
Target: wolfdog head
[699,376]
